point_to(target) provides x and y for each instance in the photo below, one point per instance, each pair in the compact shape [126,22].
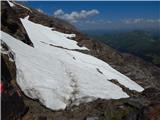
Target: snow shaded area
[46,35]
[58,77]
[10,3]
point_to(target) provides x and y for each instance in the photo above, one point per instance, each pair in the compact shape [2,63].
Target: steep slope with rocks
[145,74]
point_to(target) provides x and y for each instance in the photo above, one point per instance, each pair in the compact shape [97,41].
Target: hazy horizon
[104,15]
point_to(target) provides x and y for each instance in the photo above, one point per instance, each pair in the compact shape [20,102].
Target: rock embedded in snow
[59,77]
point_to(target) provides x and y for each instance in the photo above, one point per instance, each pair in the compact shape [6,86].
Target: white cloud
[90,21]
[58,12]
[107,21]
[140,20]
[75,16]
[101,21]
[40,10]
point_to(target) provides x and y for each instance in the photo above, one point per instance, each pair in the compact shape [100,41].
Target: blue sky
[104,15]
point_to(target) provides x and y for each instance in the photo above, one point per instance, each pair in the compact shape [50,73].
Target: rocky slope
[140,106]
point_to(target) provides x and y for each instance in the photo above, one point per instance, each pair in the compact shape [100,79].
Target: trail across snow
[59,77]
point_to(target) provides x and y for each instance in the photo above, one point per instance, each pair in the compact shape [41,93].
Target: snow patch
[10,3]
[27,17]
[106,70]
[46,35]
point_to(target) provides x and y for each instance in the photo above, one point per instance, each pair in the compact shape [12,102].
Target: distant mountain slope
[143,44]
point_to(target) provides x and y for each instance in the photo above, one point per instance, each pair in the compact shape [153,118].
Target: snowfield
[46,35]
[58,77]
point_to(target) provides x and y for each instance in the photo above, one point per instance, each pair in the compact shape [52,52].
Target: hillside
[140,43]
[52,71]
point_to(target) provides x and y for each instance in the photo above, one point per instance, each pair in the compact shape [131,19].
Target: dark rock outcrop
[150,112]
[11,24]
[12,103]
